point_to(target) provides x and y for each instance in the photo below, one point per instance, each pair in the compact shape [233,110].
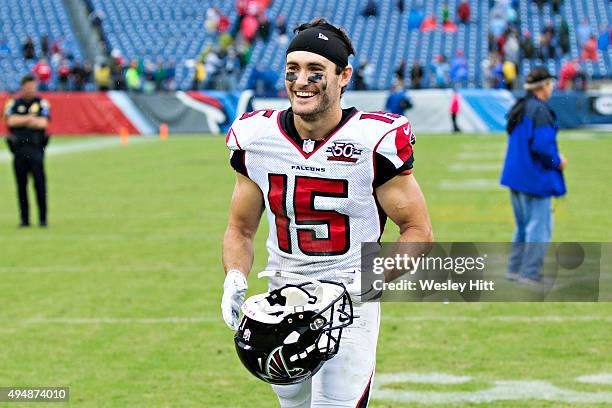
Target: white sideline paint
[124,320]
[500,391]
[214,318]
[474,166]
[603,378]
[483,155]
[469,184]
[83,146]
[98,268]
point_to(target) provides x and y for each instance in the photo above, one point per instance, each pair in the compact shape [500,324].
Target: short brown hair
[27,78]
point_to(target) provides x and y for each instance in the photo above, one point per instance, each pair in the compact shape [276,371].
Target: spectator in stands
[170,76]
[244,51]
[56,46]
[44,45]
[224,24]
[547,48]
[359,84]
[445,13]
[63,75]
[264,29]
[28,49]
[556,6]
[603,40]
[102,77]
[212,19]
[132,77]
[400,73]
[540,4]
[564,36]
[42,72]
[370,9]
[159,76]
[199,75]
[567,75]
[148,77]
[464,12]
[589,50]
[509,71]
[281,27]
[497,72]
[249,27]
[583,32]
[400,6]
[117,70]
[367,70]
[416,75]
[81,75]
[212,64]
[429,23]
[415,17]
[454,111]
[512,48]
[527,46]
[441,70]
[498,25]
[459,69]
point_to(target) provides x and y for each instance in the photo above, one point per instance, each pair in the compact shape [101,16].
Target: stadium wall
[482,111]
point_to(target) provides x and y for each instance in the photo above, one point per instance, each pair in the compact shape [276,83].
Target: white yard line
[215,318]
[98,268]
[83,146]
[469,184]
[475,167]
[480,156]
[498,391]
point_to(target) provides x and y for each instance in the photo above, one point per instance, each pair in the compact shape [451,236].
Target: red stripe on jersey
[277,199]
[376,117]
[403,136]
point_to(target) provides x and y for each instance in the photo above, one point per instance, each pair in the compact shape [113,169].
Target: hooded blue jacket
[532,158]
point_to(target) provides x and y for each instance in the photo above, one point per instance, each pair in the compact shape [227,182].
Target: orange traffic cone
[123,135]
[163,131]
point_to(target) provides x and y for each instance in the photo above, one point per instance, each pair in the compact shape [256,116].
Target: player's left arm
[402,200]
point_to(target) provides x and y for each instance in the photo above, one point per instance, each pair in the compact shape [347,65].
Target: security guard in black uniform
[27,118]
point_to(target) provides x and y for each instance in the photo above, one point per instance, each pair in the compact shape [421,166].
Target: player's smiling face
[312,83]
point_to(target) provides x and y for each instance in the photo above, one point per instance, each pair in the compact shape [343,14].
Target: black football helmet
[287,334]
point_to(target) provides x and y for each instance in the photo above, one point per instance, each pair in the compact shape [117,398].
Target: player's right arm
[245,213]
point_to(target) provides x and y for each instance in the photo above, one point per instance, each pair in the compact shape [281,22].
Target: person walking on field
[533,171]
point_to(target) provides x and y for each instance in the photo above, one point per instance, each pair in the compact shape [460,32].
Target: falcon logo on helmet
[287,334]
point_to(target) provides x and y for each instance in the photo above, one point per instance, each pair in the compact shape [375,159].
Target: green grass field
[119,298]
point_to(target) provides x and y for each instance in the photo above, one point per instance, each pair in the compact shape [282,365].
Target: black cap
[537,76]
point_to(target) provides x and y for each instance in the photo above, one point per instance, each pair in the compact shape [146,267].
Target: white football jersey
[320,199]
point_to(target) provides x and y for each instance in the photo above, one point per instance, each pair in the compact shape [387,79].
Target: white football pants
[346,379]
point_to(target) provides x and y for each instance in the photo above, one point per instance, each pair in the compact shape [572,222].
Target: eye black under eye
[315,78]
[290,76]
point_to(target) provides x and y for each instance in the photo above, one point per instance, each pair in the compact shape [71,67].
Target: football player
[327,178]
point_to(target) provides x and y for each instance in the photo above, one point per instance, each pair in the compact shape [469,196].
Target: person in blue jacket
[533,171]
